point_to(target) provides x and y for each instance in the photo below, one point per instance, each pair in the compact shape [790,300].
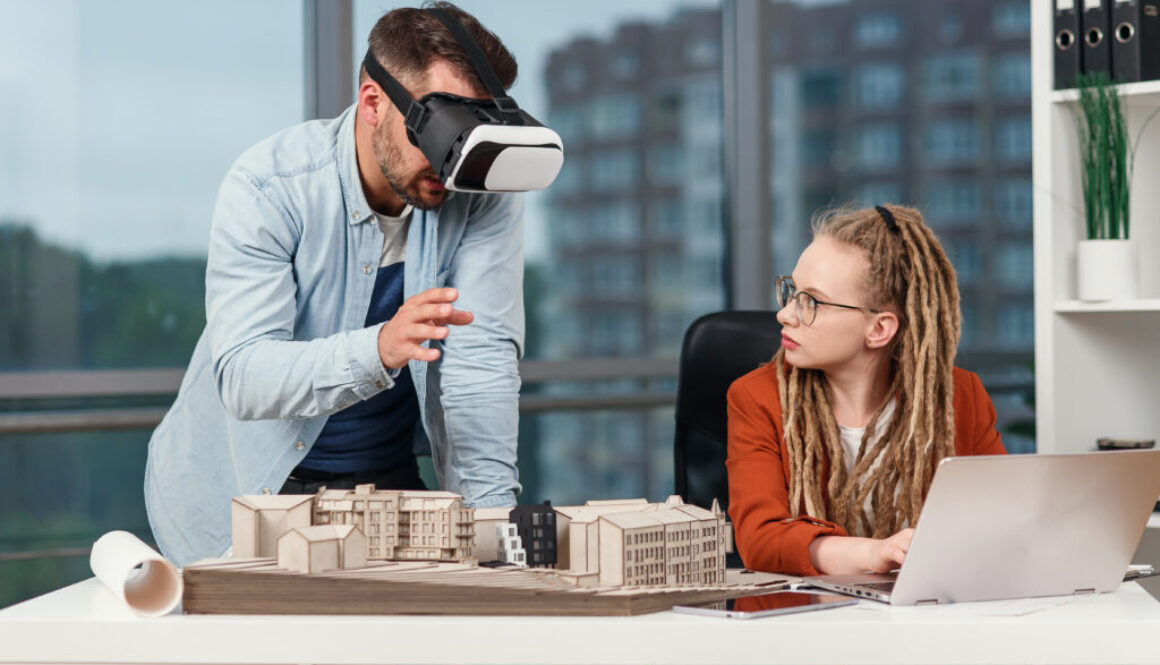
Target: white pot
[1106,270]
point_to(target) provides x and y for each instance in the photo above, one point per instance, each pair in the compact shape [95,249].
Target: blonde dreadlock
[910,275]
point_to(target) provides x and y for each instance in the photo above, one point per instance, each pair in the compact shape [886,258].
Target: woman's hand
[840,555]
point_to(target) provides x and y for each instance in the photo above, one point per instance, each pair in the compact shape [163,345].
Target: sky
[119,118]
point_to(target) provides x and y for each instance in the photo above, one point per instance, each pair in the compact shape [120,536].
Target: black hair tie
[888,217]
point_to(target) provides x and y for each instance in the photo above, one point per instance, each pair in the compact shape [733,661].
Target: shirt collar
[357,208]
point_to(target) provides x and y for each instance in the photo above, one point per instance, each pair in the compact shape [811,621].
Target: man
[356,311]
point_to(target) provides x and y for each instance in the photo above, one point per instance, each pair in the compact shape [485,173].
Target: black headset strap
[475,55]
[413,112]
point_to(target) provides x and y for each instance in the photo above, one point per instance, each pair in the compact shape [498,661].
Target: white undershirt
[852,443]
[394,236]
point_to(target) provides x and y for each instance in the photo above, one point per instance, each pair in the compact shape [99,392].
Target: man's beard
[389,157]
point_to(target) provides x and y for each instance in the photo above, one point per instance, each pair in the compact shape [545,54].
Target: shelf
[1141,92]
[1080,306]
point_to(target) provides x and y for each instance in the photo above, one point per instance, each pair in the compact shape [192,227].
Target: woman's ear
[882,331]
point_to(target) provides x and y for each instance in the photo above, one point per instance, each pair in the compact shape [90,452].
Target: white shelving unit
[1097,364]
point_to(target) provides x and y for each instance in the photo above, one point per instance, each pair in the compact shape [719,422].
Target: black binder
[1097,52]
[1067,40]
[1135,40]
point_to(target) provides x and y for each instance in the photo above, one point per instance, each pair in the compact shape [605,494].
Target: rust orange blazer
[768,537]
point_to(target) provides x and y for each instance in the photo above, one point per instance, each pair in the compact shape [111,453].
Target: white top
[852,444]
[394,236]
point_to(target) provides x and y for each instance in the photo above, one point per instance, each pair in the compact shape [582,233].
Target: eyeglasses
[805,304]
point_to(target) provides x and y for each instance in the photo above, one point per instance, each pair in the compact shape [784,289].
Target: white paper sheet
[136,573]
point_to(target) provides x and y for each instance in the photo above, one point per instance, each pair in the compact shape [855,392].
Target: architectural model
[602,543]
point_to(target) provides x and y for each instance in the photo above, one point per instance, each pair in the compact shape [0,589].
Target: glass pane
[59,493]
[627,247]
[927,103]
[114,137]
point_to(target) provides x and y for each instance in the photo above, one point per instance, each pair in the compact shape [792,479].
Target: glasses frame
[796,297]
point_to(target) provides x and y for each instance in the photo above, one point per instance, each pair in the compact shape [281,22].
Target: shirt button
[354,214]
[300,445]
[265,490]
[367,269]
[380,384]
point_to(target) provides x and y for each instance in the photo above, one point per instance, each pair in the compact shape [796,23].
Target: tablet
[770,604]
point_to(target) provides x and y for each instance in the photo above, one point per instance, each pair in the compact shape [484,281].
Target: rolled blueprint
[136,573]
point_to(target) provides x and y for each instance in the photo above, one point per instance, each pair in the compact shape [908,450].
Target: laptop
[1017,526]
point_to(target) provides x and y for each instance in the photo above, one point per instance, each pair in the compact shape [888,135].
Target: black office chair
[718,348]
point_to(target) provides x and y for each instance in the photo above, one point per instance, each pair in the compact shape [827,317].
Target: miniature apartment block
[402,525]
[486,541]
[638,543]
[536,524]
[510,548]
[317,549]
[257,521]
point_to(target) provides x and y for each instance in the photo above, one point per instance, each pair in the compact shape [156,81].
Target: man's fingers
[421,332]
[438,295]
[460,318]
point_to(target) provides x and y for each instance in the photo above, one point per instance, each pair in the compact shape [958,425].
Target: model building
[536,524]
[602,543]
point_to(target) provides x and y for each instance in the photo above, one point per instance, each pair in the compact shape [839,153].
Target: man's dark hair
[407,40]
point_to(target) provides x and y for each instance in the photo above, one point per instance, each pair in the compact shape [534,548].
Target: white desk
[84,623]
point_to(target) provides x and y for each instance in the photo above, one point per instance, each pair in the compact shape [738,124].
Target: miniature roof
[322,532]
[489,514]
[696,511]
[669,516]
[615,502]
[631,520]
[273,501]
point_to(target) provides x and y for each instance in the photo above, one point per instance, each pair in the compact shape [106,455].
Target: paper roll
[136,573]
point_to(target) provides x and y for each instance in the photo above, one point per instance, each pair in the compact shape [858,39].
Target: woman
[832,445]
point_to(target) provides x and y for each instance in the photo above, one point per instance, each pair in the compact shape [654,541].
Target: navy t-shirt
[378,432]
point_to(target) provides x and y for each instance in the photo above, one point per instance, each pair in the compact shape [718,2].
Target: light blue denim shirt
[293,254]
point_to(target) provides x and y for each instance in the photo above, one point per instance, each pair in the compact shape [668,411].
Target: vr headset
[475,145]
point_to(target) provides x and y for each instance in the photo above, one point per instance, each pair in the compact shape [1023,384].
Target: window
[965,257]
[820,88]
[874,193]
[1013,140]
[1015,266]
[1016,325]
[1012,77]
[613,170]
[1013,202]
[952,201]
[952,77]
[877,30]
[1011,19]
[103,250]
[951,142]
[879,147]
[879,86]
[613,116]
[667,164]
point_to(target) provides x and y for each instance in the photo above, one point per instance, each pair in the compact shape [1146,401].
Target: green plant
[1106,158]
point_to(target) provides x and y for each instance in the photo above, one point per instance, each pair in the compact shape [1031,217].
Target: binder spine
[1097,52]
[1126,41]
[1066,44]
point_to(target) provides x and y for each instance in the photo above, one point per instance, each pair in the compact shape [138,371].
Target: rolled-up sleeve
[479,370]
[251,305]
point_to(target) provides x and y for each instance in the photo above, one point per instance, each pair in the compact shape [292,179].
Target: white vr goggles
[475,145]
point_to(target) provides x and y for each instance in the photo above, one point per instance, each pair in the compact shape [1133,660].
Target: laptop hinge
[1083,592]
[928,601]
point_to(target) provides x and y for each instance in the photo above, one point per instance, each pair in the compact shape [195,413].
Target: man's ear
[882,331]
[370,101]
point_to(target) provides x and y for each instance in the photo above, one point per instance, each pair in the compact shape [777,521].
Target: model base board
[257,586]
